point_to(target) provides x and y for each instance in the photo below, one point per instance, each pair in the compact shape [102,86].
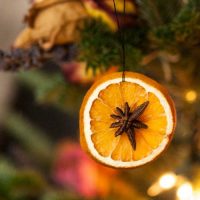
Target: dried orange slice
[126,124]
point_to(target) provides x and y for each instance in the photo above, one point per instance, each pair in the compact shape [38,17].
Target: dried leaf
[52,22]
[105,10]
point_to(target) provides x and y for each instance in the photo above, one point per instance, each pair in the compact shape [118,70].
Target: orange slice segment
[109,92]
[112,96]
[123,150]
[133,94]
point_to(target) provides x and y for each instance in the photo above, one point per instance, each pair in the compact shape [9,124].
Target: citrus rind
[151,87]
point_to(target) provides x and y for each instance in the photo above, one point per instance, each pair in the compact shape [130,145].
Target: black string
[122,39]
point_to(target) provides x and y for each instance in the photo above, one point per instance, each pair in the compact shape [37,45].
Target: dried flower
[75,170]
[77,72]
[52,22]
[104,9]
[21,58]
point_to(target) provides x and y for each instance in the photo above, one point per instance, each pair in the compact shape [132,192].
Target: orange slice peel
[100,102]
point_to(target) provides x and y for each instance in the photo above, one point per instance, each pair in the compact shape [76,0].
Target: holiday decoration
[70,158]
[126,124]
[49,23]
[64,26]
[62,48]
[77,72]
[105,10]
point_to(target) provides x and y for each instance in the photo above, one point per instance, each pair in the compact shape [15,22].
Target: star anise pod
[127,121]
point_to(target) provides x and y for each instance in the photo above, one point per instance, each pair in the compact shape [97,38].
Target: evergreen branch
[100,47]
[183,32]
[171,26]
[157,13]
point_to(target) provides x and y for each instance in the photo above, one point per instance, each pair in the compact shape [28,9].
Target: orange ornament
[126,124]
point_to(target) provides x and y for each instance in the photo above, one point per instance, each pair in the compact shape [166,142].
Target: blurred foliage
[183,32]
[59,195]
[53,89]
[19,184]
[171,26]
[156,13]
[165,45]
[100,47]
[33,140]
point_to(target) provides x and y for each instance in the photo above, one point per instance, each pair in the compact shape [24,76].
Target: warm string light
[185,192]
[167,181]
[196,195]
[191,96]
[184,189]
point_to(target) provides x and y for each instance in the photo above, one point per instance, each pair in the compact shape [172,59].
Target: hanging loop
[122,39]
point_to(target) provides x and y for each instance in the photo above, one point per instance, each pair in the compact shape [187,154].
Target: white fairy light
[185,192]
[167,181]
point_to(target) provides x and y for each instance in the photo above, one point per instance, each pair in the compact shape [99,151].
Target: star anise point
[128,121]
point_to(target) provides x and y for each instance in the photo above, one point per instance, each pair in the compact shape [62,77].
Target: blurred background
[45,74]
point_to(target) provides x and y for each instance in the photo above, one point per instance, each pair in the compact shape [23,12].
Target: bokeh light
[154,190]
[41,157]
[185,192]
[167,181]
[196,195]
[191,96]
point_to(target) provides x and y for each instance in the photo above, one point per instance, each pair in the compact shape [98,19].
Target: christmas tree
[65,47]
